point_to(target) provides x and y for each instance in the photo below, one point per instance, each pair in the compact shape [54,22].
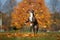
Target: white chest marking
[31,16]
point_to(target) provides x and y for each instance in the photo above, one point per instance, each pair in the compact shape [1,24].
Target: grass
[32,38]
[41,36]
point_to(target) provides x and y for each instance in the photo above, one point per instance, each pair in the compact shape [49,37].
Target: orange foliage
[20,14]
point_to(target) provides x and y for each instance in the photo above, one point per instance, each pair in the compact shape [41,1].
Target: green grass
[32,38]
[51,36]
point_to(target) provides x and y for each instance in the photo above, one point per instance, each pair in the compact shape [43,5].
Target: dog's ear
[32,11]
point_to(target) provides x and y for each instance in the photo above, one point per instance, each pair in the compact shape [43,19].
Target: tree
[7,9]
[20,14]
[0,5]
[8,6]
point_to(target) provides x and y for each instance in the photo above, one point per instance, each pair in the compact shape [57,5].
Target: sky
[3,1]
[49,4]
